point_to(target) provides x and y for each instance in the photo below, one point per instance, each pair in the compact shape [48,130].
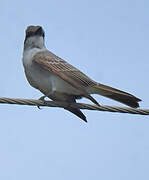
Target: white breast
[42,79]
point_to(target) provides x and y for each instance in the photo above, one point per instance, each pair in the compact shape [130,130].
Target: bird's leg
[42,99]
[52,90]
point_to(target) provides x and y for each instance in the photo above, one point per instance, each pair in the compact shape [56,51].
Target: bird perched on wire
[59,80]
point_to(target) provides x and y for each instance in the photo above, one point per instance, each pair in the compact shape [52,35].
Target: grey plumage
[61,81]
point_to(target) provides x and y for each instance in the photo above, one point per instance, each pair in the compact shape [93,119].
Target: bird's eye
[39,31]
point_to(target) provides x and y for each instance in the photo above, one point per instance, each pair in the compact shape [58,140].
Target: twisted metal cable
[33,102]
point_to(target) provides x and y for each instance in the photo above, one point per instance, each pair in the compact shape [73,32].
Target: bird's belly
[61,86]
[47,82]
[38,80]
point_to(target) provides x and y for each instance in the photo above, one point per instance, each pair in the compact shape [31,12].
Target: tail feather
[70,99]
[77,112]
[117,95]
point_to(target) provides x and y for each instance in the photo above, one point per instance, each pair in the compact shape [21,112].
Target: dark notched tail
[130,101]
[77,112]
[117,95]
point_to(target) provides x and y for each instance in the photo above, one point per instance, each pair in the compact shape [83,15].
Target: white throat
[34,42]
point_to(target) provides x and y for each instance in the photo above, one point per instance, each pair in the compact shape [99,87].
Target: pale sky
[107,40]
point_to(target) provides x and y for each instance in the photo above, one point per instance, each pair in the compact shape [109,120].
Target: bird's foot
[42,98]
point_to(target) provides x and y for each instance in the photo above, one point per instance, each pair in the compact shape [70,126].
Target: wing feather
[64,70]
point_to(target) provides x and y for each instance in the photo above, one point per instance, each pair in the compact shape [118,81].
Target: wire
[33,102]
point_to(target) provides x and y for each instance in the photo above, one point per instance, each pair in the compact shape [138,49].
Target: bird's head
[34,36]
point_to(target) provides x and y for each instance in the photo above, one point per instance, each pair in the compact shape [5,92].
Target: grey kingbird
[61,81]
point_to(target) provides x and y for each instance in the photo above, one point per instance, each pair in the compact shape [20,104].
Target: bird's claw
[39,107]
[42,99]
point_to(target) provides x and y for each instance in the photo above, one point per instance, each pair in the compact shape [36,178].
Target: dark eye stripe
[39,32]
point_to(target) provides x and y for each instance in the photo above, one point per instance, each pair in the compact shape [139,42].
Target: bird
[60,81]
